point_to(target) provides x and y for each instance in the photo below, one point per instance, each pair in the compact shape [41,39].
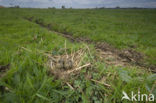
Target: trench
[111,55]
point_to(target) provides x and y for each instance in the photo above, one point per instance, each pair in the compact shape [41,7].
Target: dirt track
[111,55]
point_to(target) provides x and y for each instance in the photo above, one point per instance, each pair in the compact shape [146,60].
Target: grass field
[121,28]
[27,80]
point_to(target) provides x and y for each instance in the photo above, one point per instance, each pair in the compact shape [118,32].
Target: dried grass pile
[67,64]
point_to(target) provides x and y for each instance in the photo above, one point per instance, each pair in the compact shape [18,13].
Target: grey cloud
[80,3]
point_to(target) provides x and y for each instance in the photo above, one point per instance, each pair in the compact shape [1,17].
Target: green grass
[121,28]
[27,78]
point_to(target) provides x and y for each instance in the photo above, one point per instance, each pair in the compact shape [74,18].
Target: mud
[110,54]
[4,68]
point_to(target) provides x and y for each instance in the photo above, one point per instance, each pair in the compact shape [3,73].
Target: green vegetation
[27,80]
[121,28]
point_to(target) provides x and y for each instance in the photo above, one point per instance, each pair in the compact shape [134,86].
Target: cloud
[80,3]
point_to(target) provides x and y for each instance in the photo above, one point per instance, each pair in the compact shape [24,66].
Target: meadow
[120,28]
[27,80]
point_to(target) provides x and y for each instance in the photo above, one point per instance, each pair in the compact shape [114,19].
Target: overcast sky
[80,3]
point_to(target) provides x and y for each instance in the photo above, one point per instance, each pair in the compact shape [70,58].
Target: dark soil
[4,68]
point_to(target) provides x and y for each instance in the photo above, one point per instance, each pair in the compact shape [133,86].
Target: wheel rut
[106,52]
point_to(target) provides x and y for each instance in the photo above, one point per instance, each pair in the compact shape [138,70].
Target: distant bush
[63,7]
[117,7]
[101,8]
[51,8]
[17,6]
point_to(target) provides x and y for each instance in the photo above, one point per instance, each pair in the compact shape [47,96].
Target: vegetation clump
[65,65]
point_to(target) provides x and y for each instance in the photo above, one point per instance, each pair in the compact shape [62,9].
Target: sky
[80,3]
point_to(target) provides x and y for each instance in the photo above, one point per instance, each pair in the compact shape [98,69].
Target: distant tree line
[62,7]
[118,7]
[16,6]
